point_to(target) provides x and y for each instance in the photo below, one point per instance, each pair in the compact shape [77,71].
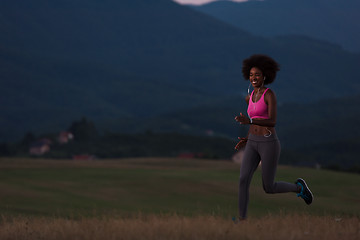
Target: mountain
[62,60]
[335,21]
[115,61]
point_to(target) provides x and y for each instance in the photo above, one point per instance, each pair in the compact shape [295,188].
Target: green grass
[161,186]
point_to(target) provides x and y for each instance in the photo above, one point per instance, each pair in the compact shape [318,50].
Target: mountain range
[335,21]
[121,62]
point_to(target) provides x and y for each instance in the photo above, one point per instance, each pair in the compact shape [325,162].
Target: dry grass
[179,227]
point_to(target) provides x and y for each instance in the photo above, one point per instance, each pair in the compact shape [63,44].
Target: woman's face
[256,77]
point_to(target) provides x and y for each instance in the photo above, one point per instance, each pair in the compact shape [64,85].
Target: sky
[199,2]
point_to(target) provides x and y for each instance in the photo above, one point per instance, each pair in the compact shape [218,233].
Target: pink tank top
[258,109]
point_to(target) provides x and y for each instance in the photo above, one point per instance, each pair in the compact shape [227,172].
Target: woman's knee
[244,180]
[269,188]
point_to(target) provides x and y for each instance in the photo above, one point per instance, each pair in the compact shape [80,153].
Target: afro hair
[266,64]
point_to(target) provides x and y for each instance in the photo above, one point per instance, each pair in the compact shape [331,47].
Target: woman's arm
[243,140]
[247,98]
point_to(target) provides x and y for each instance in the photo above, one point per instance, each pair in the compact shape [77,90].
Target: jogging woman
[262,143]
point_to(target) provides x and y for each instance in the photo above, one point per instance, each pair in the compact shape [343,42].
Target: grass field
[59,195]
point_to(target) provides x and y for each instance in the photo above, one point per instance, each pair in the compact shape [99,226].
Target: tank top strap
[252,94]
[263,95]
[265,91]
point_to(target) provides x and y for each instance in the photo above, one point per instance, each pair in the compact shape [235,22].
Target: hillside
[321,132]
[113,60]
[335,21]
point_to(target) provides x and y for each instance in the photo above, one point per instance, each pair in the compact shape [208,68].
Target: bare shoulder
[270,95]
[270,92]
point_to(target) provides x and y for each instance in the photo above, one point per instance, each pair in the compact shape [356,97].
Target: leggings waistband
[262,138]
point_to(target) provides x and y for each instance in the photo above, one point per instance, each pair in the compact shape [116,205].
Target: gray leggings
[266,150]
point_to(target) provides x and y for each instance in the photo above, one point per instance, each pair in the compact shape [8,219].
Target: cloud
[199,2]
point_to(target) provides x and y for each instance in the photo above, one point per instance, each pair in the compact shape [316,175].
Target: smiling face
[256,77]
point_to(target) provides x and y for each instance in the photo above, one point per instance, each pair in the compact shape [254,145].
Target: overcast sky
[199,2]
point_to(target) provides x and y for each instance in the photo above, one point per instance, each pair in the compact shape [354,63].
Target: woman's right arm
[247,98]
[242,141]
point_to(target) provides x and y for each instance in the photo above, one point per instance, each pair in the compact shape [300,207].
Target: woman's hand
[241,143]
[242,119]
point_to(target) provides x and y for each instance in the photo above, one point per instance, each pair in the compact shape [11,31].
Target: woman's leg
[251,159]
[270,154]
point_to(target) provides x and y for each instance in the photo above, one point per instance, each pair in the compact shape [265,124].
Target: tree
[83,130]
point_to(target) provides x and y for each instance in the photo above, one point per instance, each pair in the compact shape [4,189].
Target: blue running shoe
[237,220]
[305,192]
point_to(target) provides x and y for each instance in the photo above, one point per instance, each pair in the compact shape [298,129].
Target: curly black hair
[266,64]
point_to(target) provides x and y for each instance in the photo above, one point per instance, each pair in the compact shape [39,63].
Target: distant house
[190,155]
[238,157]
[64,137]
[83,157]
[40,147]
[186,155]
[209,132]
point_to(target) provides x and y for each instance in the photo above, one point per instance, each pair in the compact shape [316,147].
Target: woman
[262,143]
